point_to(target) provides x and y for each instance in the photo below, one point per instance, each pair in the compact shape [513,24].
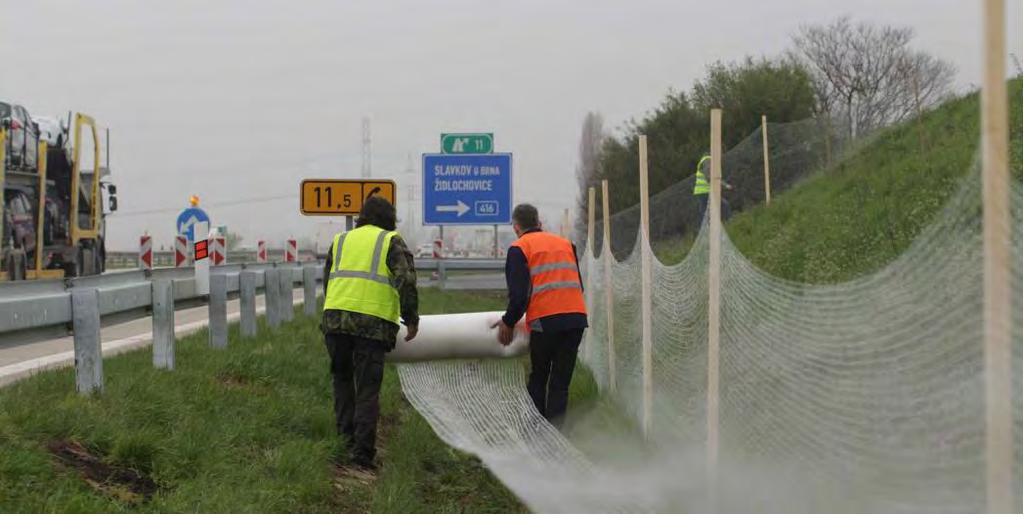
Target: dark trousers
[552,357]
[358,368]
[703,200]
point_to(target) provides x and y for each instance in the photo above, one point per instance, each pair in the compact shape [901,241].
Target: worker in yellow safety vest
[370,279]
[701,189]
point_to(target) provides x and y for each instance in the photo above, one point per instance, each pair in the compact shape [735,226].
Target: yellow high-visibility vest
[359,278]
[702,185]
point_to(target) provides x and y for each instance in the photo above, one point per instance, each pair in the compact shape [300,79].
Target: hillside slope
[865,211]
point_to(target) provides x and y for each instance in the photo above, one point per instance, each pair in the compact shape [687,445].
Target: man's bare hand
[411,332]
[505,334]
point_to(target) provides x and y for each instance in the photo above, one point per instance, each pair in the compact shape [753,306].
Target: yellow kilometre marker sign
[329,197]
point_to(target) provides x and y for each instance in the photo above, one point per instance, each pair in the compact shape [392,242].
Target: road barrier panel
[182,252]
[146,252]
[291,250]
[261,251]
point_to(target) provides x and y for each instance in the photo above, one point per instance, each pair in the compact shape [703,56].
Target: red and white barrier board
[291,251]
[146,252]
[261,251]
[218,256]
[181,252]
[438,248]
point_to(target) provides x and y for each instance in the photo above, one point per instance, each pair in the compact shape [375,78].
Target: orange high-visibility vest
[557,286]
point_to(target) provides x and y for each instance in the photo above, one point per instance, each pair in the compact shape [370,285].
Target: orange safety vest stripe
[556,284]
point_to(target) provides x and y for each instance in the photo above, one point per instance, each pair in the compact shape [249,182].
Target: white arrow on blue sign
[188,219]
[467,189]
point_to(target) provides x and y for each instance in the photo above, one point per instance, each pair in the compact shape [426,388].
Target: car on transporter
[23,137]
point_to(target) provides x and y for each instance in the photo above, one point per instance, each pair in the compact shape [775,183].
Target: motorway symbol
[330,197]
[466,143]
[467,189]
[188,219]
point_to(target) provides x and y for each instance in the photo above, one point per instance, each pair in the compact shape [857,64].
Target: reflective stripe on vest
[359,278]
[554,276]
[701,186]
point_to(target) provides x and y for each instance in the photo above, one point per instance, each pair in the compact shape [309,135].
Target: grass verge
[249,429]
[864,212]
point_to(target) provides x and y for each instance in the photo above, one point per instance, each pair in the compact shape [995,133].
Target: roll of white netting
[865,396]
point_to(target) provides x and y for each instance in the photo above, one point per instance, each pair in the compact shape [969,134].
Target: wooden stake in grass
[591,223]
[645,288]
[997,270]
[767,162]
[714,304]
[606,256]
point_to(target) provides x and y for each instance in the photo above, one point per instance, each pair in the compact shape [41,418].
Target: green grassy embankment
[249,429]
[861,214]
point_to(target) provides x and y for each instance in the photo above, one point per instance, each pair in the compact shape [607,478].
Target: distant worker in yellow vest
[701,189]
[370,279]
[545,286]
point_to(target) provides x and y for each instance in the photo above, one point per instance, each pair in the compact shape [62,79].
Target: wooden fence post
[767,162]
[646,281]
[591,223]
[607,256]
[714,304]
[997,265]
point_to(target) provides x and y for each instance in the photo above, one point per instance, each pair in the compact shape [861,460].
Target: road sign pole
[497,244]
[202,262]
[441,272]
[349,223]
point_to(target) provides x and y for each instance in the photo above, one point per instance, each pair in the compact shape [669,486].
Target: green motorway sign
[467,143]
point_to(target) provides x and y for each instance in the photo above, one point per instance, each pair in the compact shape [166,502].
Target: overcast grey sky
[243,99]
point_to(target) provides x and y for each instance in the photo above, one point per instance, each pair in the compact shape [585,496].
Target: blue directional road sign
[187,220]
[467,189]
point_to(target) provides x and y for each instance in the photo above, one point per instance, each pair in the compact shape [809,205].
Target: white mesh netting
[865,396]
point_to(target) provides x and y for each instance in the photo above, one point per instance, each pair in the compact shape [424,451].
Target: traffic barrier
[219,254]
[146,252]
[181,252]
[261,251]
[291,251]
[438,248]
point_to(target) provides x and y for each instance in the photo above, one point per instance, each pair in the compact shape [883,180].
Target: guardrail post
[287,304]
[88,353]
[163,324]
[272,297]
[247,302]
[309,286]
[218,310]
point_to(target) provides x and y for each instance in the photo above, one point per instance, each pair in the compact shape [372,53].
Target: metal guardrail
[460,264]
[33,309]
[80,306]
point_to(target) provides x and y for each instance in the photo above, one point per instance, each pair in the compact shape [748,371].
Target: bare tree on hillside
[867,75]
[587,170]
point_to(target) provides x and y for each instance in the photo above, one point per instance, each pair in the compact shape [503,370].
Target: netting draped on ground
[865,396]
